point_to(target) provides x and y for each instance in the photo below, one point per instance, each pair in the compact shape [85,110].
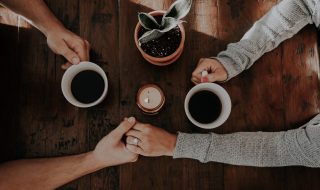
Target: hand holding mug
[69,45]
[148,140]
[216,71]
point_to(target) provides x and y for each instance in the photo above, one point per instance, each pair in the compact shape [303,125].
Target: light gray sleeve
[299,147]
[280,23]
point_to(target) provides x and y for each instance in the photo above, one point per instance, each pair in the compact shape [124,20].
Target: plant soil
[164,46]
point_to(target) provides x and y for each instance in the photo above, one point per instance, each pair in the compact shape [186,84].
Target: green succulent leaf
[179,9]
[148,22]
[150,35]
[169,23]
[170,20]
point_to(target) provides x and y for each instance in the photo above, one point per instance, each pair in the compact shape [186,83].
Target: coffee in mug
[85,84]
[207,105]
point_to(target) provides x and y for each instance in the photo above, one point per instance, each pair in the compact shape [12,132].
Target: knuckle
[143,138]
[135,158]
[87,43]
[134,148]
[149,126]
[131,148]
[202,61]
[65,53]
[224,74]
[81,42]
[200,64]
[214,62]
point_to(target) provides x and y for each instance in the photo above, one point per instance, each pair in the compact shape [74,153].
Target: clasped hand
[151,141]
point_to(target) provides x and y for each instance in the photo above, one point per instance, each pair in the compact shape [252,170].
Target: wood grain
[99,25]
[257,94]
[301,96]
[49,125]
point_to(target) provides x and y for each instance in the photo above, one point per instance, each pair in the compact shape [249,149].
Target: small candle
[150,98]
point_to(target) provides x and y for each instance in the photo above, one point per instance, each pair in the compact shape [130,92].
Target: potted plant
[160,35]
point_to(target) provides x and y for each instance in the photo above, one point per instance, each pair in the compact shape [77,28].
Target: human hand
[111,150]
[216,71]
[151,141]
[69,45]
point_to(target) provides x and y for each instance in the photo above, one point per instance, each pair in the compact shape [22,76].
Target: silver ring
[135,141]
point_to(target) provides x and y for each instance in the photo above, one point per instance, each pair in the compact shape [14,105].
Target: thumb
[124,127]
[69,54]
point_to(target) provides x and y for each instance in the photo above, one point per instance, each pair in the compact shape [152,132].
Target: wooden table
[280,92]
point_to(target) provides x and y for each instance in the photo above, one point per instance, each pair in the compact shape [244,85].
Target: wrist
[50,27]
[93,162]
[172,144]
[53,30]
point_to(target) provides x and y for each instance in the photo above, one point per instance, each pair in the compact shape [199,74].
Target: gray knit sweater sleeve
[299,147]
[280,23]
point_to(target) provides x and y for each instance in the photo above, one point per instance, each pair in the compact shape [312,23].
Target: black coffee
[205,106]
[87,86]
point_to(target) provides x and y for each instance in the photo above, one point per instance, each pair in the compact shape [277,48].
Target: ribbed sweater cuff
[193,146]
[232,69]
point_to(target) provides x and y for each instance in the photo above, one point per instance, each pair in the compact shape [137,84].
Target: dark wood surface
[280,92]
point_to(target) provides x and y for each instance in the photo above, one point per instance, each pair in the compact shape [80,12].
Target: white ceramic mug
[224,99]
[71,72]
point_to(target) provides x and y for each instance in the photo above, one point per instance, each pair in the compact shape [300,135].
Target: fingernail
[136,159]
[75,60]
[63,67]
[204,79]
[131,120]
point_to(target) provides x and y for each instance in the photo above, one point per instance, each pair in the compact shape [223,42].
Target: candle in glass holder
[150,99]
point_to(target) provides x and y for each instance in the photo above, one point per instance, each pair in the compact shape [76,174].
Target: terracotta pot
[161,61]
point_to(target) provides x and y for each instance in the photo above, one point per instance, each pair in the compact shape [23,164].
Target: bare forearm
[47,173]
[37,12]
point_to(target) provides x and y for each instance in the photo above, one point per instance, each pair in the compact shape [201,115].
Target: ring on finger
[135,141]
